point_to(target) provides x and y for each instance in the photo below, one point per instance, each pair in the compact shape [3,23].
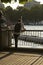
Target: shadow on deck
[21,57]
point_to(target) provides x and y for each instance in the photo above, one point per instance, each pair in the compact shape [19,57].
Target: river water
[34,27]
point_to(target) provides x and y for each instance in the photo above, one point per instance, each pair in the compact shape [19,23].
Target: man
[17,29]
[1,22]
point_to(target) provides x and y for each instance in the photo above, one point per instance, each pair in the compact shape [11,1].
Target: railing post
[0,39]
[4,39]
[9,37]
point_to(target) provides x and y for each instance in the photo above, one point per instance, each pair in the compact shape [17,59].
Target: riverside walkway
[17,58]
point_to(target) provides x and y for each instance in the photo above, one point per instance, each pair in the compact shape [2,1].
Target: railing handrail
[24,31]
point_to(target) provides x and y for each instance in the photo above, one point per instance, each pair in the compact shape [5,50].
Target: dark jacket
[17,28]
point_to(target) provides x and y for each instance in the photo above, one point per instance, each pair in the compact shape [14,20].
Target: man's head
[19,20]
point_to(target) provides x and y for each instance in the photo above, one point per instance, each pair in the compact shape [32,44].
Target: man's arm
[23,29]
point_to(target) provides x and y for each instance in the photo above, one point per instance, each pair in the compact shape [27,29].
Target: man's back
[17,28]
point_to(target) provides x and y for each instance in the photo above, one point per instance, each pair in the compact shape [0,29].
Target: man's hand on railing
[23,30]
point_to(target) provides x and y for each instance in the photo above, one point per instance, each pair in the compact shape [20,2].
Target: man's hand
[23,30]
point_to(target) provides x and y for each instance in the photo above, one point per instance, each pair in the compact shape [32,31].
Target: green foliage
[23,1]
[9,13]
[35,14]
[6,1]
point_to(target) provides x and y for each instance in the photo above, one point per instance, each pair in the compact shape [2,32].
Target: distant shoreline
[35,24]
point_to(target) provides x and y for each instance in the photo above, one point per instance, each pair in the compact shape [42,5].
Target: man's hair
[19,20]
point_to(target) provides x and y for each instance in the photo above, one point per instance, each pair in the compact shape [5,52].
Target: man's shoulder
[17,24]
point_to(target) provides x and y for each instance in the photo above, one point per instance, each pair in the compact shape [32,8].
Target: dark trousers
[16,40]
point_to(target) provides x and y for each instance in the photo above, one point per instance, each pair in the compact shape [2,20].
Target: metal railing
[30,39]
[27,39]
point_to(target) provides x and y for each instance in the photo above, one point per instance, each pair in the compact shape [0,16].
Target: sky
[41,1]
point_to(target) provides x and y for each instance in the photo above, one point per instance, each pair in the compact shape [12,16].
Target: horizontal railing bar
[24,31]
[22,43]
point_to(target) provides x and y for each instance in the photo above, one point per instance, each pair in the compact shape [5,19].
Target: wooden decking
[17,58]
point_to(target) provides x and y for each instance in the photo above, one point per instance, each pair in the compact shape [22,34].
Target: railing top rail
[24,31]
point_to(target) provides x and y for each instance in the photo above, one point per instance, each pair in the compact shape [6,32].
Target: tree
[35,13]
[5,1]
[24,12]
[41,12]
[22,1]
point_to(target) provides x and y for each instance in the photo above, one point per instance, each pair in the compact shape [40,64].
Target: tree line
[21,1]
[35,14]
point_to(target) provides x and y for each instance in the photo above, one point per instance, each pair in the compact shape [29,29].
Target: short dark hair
[19,20]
